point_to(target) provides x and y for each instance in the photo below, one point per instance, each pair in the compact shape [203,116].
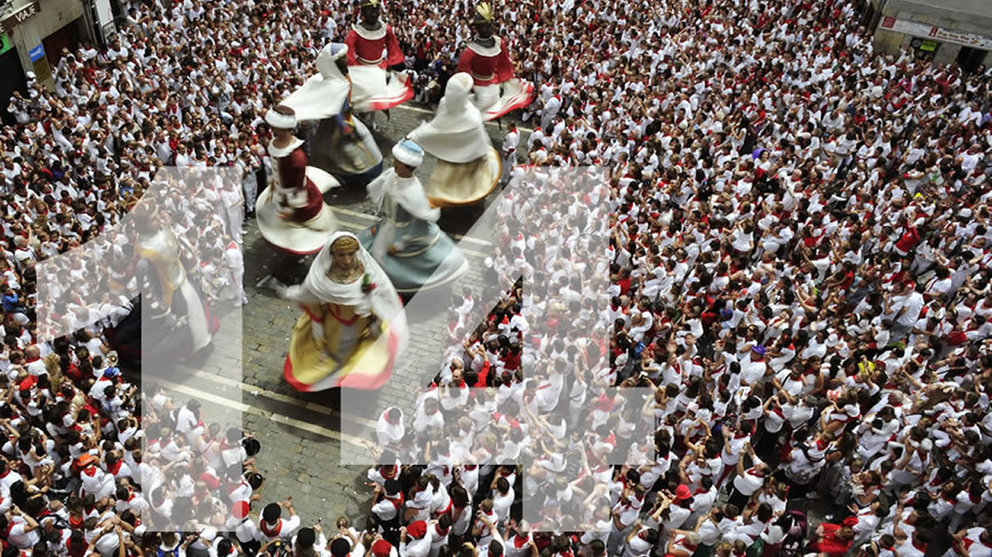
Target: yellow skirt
[309,368]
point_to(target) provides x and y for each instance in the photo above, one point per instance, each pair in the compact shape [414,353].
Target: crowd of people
[798,274]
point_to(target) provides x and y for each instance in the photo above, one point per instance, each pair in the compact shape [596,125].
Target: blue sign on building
[37,53]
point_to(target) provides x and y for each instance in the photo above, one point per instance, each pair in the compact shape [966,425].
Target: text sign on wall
[20,15]
[939,33]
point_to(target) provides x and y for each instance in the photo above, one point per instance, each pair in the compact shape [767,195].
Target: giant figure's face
[370,14]
[346,260]
[484,29]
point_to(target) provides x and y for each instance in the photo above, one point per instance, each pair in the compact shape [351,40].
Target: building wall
[54,15]
[971,16]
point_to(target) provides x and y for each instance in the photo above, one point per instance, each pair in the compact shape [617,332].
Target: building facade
[34,34]
[944,31]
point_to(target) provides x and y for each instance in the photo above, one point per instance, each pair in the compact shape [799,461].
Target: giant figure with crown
[486,58]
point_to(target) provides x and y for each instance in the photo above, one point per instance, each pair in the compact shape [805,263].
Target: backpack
[795,539]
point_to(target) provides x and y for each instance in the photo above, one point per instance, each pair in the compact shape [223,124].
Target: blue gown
[407,242]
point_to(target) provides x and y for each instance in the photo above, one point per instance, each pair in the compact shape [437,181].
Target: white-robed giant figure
[468,166]
[353,326]
[407,242]
[342,146]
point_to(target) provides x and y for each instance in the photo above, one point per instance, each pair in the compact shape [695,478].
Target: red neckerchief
[684,542]
[270,531]
[232,485]
[396,500]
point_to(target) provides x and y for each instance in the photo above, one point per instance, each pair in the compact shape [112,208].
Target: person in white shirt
[273,526]
[748,480]
[640,541]
[414,541]
[508,151]
[21,530]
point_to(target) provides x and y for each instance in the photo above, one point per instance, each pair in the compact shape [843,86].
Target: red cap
[240,509]
[850,521]
[417,529]
[682,493]
[382,548]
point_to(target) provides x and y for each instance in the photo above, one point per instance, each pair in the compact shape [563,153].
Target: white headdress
[382,300]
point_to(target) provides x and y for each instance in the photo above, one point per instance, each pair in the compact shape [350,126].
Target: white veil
[457,133]
[383,301]
[324,93]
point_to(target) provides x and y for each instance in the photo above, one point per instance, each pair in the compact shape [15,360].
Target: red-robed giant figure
[372,50]
[487,60]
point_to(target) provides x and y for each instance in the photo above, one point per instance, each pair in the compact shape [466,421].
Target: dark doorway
[13,80]
[970,58]
[66,37]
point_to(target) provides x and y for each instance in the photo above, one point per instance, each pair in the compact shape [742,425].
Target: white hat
[280,121]
[408,153]
[335,50]
[30,75]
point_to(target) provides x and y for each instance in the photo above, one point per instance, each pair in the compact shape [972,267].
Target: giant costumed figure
[353,327]
[407,242]
[468,166]
[342,145]
[487,60]
[372,51]
[291,214]
[178,324]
